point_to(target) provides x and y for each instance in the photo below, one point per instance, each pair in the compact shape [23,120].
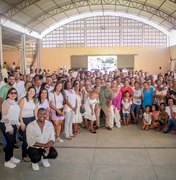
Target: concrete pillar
[1,49]
[39,53]
[23,53]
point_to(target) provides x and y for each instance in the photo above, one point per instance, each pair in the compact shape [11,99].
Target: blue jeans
[171,125]
[9,138]
[4,142]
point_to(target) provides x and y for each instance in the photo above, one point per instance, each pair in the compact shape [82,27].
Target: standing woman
[78,116]
[57,105]
[9,125]
[43,101]
[90,106]
[70,110]
[147,95]
[28,114]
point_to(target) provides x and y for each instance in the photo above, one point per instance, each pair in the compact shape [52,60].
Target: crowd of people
[38,106]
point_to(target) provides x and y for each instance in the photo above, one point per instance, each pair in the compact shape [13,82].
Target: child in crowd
[126,106]
[155,114]
[146,119]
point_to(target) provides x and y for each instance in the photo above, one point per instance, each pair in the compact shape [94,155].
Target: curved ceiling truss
[105,6]
[39,15]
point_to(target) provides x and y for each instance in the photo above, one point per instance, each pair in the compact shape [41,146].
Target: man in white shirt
[40,138]
[18,85]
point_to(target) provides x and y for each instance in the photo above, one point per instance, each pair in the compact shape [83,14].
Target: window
[104,31]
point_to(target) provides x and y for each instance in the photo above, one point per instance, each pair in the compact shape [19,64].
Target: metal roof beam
[19,7]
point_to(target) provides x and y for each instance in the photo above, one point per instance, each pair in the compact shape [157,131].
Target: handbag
[82,110]
[57,114]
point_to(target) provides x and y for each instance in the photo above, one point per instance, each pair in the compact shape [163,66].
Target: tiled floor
[121,154]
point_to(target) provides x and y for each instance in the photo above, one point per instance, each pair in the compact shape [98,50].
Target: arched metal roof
[38,15]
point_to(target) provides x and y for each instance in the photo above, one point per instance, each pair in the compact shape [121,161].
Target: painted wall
[15,56]
[173,52]
[146,58]
[12,56]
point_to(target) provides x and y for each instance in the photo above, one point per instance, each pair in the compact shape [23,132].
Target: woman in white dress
[70,110]
[78,116]
[90,105]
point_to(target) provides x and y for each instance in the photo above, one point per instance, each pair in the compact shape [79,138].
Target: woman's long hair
[62,91]
[39,95]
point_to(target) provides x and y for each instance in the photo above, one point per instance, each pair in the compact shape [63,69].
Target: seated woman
[163,118]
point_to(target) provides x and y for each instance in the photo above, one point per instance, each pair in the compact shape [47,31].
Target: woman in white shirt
[28,114]
[57,105]
[9,125]
[43,101]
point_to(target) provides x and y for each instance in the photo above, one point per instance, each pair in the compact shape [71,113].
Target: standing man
[40,138]
[106,97]
[18,85]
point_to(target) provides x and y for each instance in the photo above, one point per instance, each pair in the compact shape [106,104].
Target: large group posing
[39,106]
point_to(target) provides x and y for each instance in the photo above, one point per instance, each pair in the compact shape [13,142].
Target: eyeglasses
[13,93]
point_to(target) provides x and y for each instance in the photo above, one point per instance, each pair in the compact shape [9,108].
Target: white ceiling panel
[45,4]
[134,11]
[59,16]
[40,27]
[156,19]
[84,9]
[109,7]
[121,8]
[146,15]
[167,25]
[12,1]
[71,12]
[33,10]
[169,7]
[61,2]
[154,3]
[48,21]
[22,18]
[96,7]
[4,7]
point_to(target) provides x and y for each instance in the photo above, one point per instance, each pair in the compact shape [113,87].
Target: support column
[1,52]
[120,31]
[39,53]
[23,53]
[143,35]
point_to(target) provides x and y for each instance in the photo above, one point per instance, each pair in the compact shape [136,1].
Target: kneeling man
[40,138]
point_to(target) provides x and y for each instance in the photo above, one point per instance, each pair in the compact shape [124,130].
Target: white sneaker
[14,160]
[45,162]
[9,164]
[60,140]
[35,166]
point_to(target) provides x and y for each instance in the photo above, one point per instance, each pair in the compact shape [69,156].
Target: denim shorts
[126,115]
[136,108]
